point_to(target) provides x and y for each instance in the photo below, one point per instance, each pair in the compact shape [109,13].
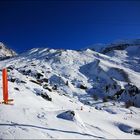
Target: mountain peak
[5,51]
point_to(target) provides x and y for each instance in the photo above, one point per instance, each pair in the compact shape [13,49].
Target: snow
[33,117]
[6,52]
[74,78]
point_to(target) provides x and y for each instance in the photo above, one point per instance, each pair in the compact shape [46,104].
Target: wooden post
[5,85]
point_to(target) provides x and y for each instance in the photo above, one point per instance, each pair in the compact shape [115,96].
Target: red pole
[5,85]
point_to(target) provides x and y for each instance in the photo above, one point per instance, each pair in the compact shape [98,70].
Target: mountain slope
[70,94]
[129,57]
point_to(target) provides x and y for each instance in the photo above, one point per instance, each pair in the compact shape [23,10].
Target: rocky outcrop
[6,52]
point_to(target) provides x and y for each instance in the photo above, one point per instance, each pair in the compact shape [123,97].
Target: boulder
[46,97]
[67,115]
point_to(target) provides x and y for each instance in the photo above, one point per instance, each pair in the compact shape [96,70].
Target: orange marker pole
[5,85]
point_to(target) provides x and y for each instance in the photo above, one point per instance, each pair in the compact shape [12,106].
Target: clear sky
[69,24]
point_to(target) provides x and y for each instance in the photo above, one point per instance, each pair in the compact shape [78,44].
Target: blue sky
[69,24]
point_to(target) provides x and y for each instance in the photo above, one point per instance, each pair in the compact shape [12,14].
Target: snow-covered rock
[67,115]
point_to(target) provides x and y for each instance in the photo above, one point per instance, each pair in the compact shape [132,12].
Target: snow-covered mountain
[6,52]
[116,45]
[73,94]
[128,53]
